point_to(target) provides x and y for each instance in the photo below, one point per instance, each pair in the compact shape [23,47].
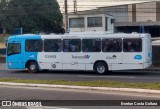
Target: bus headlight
[9,63]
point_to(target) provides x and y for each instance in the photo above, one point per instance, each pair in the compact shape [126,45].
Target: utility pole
[66,15]
[75,6]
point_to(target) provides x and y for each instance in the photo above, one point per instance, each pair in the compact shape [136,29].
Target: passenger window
[112,45]
[52,45]
[71,45]
[33,45]
[132,45]
[91,45]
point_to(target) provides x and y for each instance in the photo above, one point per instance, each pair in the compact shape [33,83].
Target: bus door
[72,56]
[132,51]
[49,60]
[51,57]
[15,57]
[112,49]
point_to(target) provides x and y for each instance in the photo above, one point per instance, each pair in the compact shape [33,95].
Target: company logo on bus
[81,57]
[138,57]
[149,54]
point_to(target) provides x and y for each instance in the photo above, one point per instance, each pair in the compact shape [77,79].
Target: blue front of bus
[16,56]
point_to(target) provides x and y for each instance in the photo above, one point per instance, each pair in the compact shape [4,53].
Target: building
[90,22]
[138,17]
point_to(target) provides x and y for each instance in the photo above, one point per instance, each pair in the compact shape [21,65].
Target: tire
[32,67]
[101,68]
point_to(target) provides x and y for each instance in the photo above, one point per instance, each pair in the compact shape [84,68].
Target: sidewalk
[153,68]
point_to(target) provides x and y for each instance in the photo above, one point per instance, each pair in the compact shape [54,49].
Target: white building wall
[110,25]
[130,15]
[146,12]
[120,13]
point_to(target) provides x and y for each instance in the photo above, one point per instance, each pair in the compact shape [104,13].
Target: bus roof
[54,36]
[117,35]
[25,36]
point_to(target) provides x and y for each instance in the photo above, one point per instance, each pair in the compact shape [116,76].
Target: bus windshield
[13,48]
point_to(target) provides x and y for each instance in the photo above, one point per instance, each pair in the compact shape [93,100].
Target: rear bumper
[146,65]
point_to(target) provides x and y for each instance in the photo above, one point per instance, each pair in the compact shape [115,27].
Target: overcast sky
[92,4]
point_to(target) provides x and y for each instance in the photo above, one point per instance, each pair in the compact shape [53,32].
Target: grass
[99,83]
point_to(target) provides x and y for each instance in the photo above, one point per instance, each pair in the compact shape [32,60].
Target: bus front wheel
[101,68]
[32,67]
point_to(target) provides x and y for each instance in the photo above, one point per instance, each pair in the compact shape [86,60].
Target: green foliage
[98,83]
[31,15]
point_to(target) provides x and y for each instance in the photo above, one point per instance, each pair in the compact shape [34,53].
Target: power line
[66,14]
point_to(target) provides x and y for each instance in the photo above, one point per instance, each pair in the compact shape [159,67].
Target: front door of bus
[15,56]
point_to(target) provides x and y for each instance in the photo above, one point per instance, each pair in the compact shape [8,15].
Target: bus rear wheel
[32,67]
[101,68]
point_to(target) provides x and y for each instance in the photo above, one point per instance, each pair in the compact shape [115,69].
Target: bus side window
[97,45]
[52,45]
[33,45]
[132,45]
[91,45]
[112,45]
[72,45]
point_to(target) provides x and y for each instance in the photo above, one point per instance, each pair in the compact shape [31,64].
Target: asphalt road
[127,76]
[36,93]
[27,93]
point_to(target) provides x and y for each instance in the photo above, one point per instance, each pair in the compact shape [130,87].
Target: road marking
[130,77]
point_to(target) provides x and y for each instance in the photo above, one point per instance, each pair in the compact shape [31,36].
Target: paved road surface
[31,93]
[26,93]
[127,76]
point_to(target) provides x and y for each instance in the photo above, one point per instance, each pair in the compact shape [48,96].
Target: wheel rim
[101,69]
[32,67]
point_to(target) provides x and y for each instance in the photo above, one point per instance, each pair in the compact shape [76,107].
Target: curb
[133,90]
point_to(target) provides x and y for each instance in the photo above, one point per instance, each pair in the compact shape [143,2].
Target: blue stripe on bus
[18,61]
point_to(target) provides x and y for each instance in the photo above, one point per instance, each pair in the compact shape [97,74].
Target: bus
[95,52]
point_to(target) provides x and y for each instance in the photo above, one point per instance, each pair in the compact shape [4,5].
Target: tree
[3,12]
[32,15]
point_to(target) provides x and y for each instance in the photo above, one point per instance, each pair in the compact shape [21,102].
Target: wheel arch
[98,62]
[29,62]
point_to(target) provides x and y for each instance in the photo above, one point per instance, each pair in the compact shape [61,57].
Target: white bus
[98,52]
